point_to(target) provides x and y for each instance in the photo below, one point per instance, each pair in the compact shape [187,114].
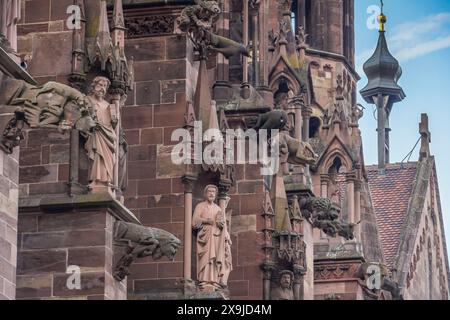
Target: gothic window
[314,127]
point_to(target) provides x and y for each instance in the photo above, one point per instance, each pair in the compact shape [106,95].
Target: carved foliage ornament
[149,26]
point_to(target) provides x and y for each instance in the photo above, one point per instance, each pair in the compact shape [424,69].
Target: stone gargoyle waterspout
[53,105]
[140,242]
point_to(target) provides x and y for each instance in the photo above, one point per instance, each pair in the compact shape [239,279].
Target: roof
[391,194]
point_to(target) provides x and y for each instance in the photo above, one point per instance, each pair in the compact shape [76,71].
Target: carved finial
[425,137]
[382,19]
[118,18]
[103,37]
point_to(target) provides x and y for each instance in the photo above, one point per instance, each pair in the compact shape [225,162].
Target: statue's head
[168,244]
[210,193]
[99,87]
[286,279]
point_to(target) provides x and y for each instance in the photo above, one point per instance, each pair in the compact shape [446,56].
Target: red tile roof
[390,196]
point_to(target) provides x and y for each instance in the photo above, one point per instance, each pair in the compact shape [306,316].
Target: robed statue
[101,145]
[213,243]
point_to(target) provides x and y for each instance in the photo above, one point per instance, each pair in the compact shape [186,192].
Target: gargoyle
[141,242]
[53,105]
[201,15]
[324,215]
[273,120]
[198,20]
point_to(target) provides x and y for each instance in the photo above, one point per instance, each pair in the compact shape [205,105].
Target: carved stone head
[210,193]
[99,87]
[168,244]
[211,6]
[286,279]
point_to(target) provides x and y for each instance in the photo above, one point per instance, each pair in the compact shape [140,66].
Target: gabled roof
[391,195]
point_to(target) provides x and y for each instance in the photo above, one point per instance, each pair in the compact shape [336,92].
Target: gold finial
[382,19]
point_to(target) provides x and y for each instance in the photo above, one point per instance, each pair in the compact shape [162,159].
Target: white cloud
[414,39]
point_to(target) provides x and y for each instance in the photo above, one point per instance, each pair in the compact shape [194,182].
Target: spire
[118,29]
[103,40]
[118,19]
[202,99]
[383,72]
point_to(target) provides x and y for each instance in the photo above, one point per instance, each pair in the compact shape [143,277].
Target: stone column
[245,39]
[222,87]
[306,114]
[9,180]
[358,209]
[254,12]
[324,181]
[350,182]
[188,191]
[298,283]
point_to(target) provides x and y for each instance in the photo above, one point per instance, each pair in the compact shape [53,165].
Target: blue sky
[418,34]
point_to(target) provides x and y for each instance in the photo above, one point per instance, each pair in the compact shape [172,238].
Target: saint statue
[101,145]
[9,17]
[213,243]
[284,290]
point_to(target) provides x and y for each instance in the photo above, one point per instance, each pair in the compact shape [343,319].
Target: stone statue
[273,120]
[101,145]
[212,241]
[197,21]
[141,242]
[9,17]
[284,290]
[199,15]
[53,105]
[294,151]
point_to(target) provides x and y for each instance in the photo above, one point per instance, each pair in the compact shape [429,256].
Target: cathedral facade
[93,96]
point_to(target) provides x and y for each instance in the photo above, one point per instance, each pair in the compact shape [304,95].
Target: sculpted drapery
[102,143]
[213,243]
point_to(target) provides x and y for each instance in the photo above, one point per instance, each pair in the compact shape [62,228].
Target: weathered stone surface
[169,90]
[240,224]
[146,49]
[37,11]
[87,258]
[37,174]
[148,92]
[38,262]
[51,54]
[63,239]
[59,154]
[34,286]
[91,283]
[165,167]
[161,70]
[152,136]
[137,117]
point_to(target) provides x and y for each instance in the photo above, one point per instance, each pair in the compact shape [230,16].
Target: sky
[418,35]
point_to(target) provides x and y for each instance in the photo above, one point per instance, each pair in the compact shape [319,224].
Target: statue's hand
[220,224]
[114,121]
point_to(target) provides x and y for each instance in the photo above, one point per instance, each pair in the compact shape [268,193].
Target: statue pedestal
[66,247]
